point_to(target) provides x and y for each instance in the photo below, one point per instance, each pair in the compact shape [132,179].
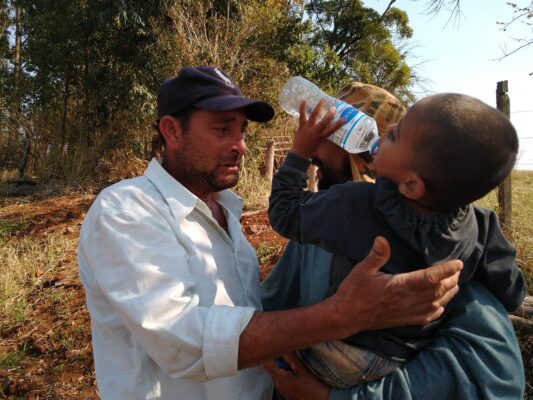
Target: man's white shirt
[169,293]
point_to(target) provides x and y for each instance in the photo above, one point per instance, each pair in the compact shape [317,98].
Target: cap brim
[255,110]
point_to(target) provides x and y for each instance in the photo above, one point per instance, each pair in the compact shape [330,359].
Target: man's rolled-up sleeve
[220,343]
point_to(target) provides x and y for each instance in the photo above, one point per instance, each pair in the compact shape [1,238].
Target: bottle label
[360,115]
[348,114]
[351,116]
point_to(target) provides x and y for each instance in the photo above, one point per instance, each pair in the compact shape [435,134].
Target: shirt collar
[180,199]
[231,201]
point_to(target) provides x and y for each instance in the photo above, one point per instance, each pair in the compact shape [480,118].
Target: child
[446,152]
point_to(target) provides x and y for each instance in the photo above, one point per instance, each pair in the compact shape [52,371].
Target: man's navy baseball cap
[210,89]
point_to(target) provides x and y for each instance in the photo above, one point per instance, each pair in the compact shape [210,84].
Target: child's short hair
[467,149]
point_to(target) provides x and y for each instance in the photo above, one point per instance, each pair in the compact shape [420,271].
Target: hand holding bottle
[313,129]
[357,134]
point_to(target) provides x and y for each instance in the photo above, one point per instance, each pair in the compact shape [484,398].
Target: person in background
[300,278]
[172,284]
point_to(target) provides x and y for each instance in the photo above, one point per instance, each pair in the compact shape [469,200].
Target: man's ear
[413,187]
[171,130]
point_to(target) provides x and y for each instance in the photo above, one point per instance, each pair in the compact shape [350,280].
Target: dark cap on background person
[207,88]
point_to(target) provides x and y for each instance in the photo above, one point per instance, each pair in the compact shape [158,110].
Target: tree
[252,40]
[522,14]
[89,76]
[11,17]
[4,66]
[91,68]
[353,42]
[88,70]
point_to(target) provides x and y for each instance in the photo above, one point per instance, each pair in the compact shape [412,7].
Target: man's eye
[221,130]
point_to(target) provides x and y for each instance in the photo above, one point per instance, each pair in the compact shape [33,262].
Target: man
[172,284]
[475,354]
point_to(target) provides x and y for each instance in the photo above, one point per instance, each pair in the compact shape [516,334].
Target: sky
[462,56]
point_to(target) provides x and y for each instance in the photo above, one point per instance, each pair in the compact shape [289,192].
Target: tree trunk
[505,213]
[17,67]
[18,42]
[65,113]
[25,159]
[269,160]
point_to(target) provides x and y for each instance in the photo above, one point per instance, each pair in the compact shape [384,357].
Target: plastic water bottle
[359,132]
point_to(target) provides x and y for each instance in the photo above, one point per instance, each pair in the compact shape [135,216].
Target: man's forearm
[270,334]
[405,299]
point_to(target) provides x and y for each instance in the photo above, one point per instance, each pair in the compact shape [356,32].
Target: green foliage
[8,228]
[88,78]
[4,46]
[353,42]
[91,68]
[59,368]
[11,360]
[265,251]
[19,311]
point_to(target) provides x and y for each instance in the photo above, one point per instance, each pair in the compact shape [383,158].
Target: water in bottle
[359,132]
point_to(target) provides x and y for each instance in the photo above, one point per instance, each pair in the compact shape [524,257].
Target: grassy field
[44,326]
[521,234]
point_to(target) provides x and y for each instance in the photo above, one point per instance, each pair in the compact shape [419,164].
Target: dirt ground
[54,340]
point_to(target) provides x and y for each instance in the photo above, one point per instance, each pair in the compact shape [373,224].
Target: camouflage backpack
[379,104]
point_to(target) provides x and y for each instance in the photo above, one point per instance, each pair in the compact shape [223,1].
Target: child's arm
[310,217]
[289,183]
[288,193]
[497,268]
[312,130]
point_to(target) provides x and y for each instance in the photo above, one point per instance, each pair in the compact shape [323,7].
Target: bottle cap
[374,146]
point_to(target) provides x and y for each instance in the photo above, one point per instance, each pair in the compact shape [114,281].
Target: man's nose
[239,144]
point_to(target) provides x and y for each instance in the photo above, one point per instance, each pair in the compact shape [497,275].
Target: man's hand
[375,300]
[367,299]
[298,384]
[313,130]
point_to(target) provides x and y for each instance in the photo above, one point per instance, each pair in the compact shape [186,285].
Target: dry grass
[26,263]
[254,188]
[6,174]
[41,300]
[521,234]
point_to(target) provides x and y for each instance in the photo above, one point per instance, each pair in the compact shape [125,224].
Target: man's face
[209,158]
[333,165]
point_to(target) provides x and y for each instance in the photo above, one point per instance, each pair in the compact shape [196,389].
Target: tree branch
[387,9]
[515,50]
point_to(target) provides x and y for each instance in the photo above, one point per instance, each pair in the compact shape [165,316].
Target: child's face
[393,159]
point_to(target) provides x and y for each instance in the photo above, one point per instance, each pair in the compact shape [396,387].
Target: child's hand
[311,131]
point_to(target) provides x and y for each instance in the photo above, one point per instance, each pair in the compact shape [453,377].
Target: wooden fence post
[311,182]
[504,189]
[269,160]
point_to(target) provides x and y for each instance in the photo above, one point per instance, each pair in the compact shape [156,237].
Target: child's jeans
[341,365]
